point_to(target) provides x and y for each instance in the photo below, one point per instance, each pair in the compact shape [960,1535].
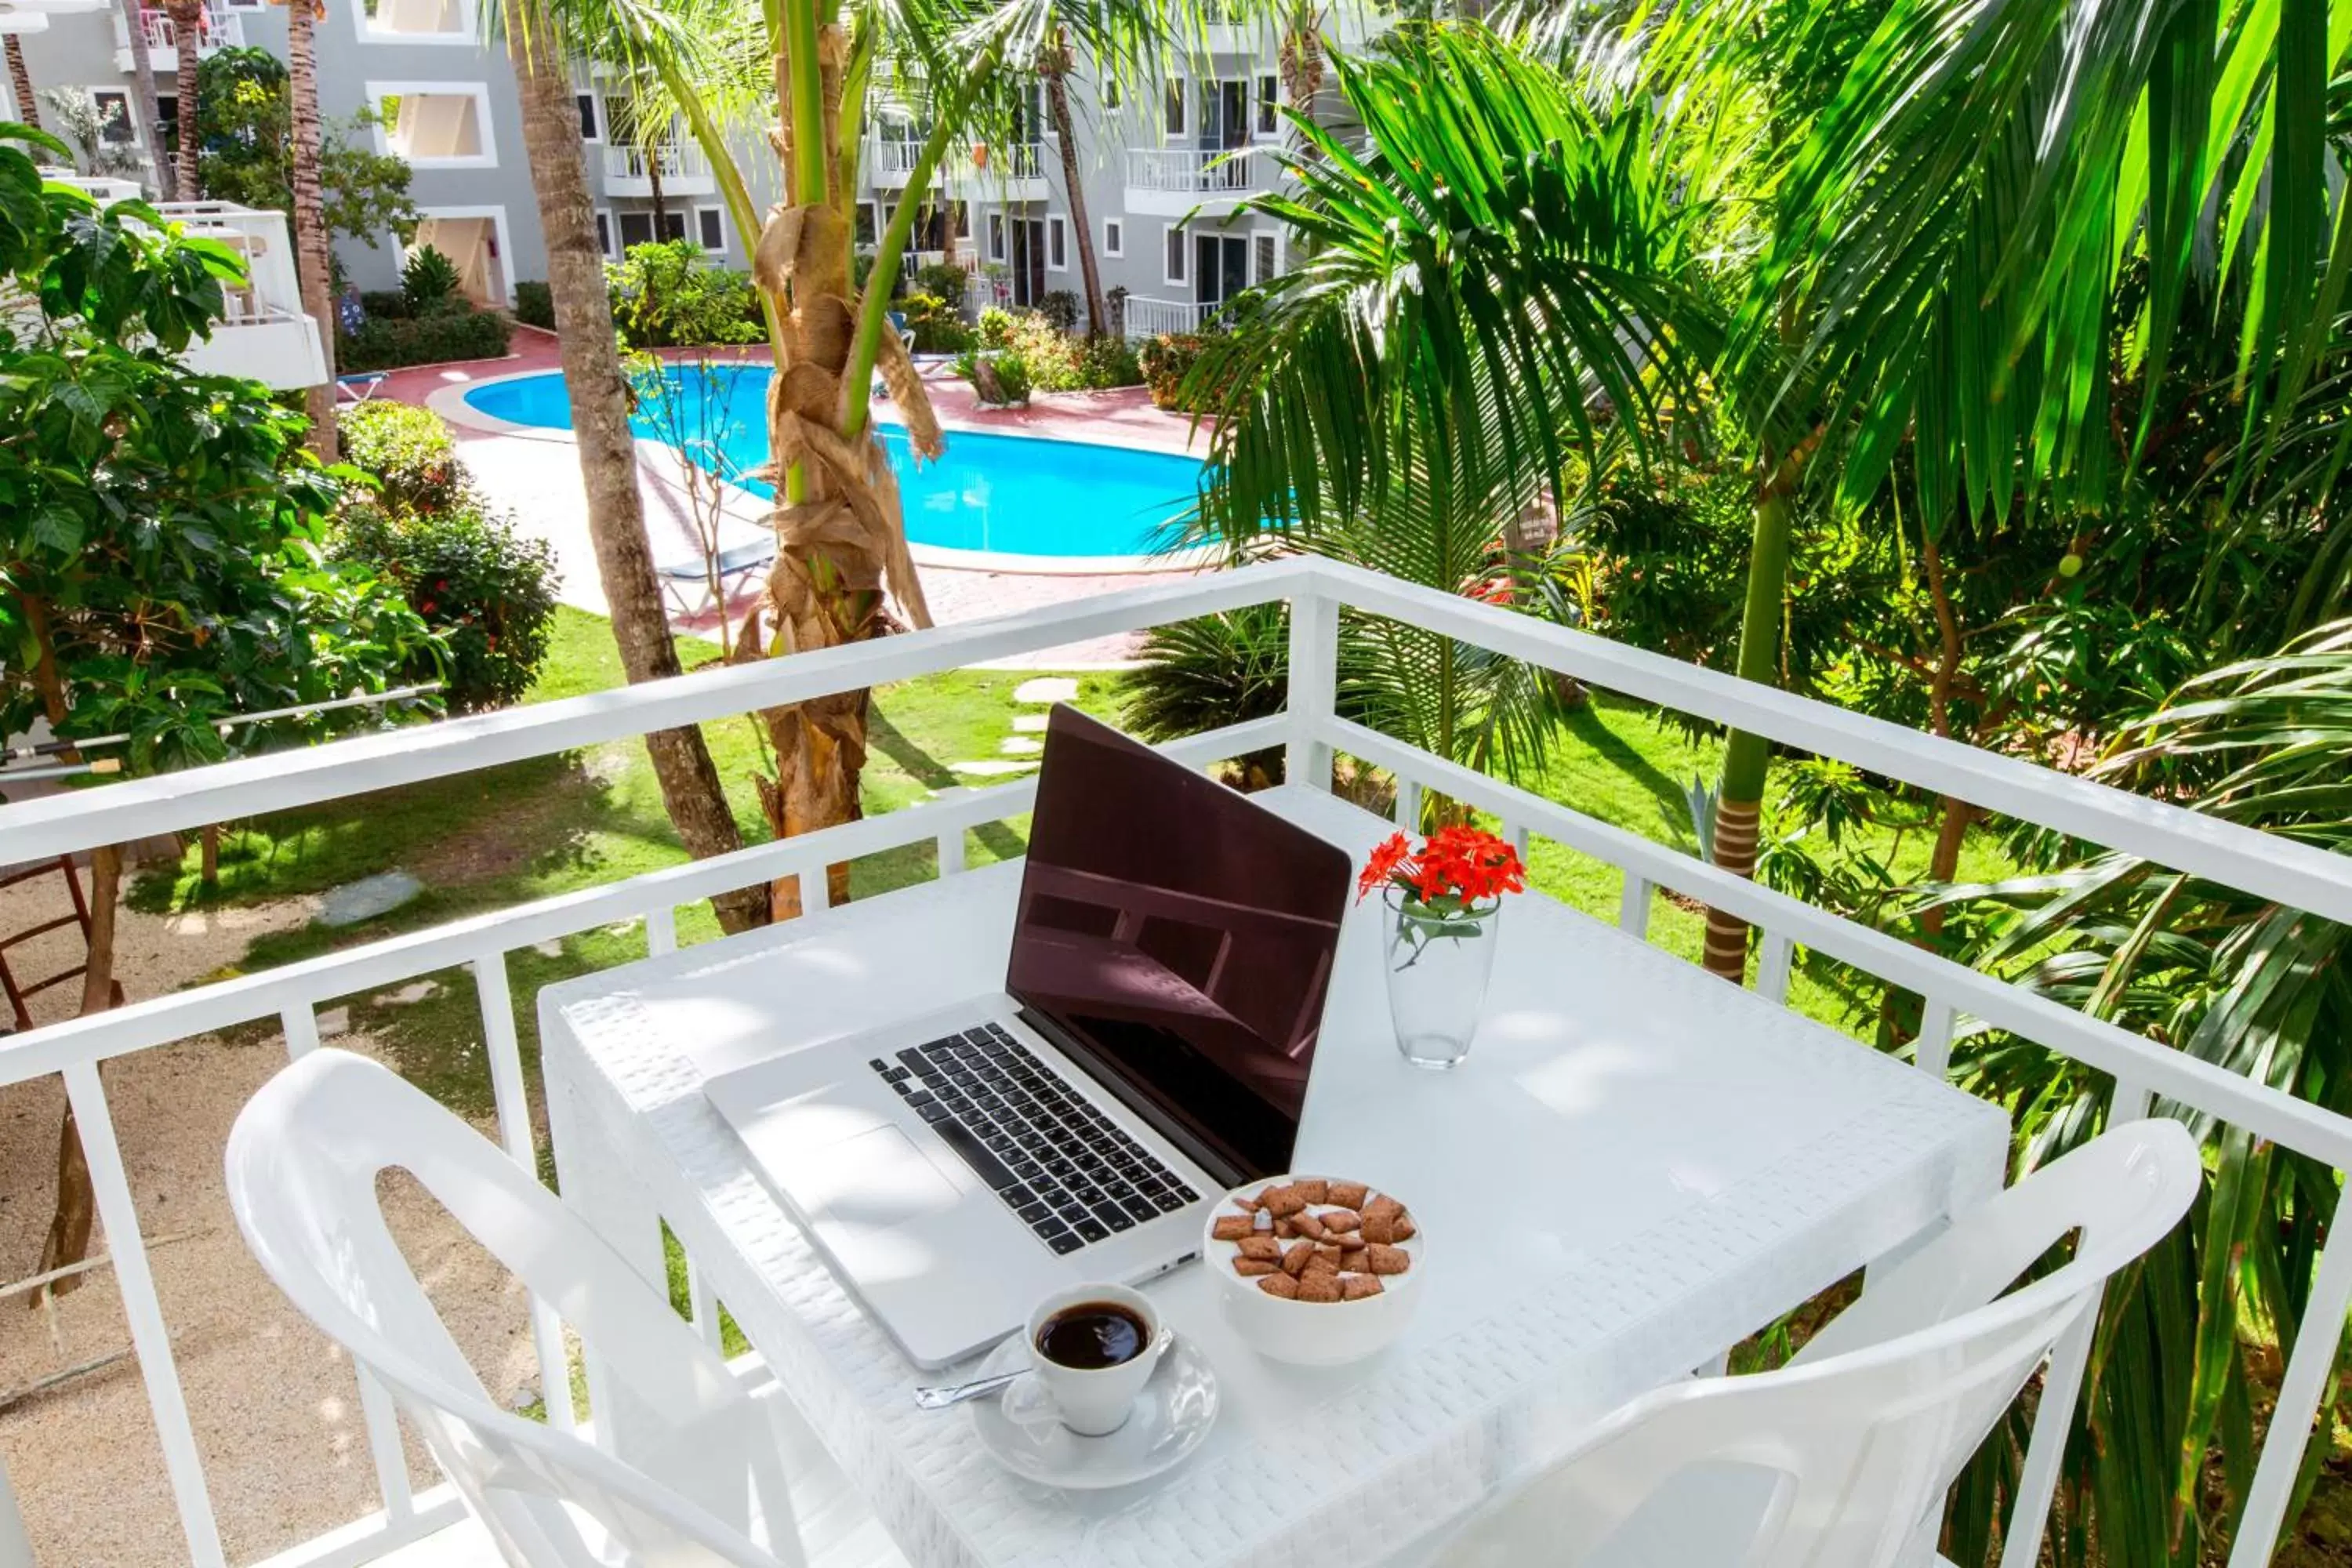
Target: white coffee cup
[1094,1402]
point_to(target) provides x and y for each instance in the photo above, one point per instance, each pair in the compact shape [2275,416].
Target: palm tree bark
[142,96]
[187,35]
[1053,66]
[312,260]
[20,84]
[608,459]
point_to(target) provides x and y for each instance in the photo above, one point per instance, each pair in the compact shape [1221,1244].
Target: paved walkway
[535,476]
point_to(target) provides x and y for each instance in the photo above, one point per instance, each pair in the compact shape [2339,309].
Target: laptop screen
[1178,939]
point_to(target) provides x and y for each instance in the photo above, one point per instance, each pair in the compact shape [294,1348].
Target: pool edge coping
[450,402]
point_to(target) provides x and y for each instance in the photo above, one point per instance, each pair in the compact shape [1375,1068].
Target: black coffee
[1091,1335]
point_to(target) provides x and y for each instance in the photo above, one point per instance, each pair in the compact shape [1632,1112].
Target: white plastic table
[1639,1166]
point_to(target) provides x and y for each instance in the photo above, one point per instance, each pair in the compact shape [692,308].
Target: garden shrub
[1167,362]
[390,304]
[938,329]
[486,590]
[665,296]
[941,279]
[456,330]
[1108,361]
[995,328]
[1060,308]
[408,452]
[534,305]
[1050,357]
[1014,381]
[426,279]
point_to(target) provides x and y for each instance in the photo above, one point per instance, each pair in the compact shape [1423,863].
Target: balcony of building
[1172,182]
[681,167]
[219,29]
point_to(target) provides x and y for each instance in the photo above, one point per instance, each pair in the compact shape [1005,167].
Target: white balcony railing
[1141,317]
[219,27]
[1197,172]
[2269,867]
[675,160]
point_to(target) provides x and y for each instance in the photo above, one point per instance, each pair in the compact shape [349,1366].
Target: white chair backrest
[701,1478]
[1861,1435]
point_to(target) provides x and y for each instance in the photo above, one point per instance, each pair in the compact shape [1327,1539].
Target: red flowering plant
[1447,888]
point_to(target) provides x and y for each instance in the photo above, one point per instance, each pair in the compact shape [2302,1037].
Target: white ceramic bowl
[1311,1333]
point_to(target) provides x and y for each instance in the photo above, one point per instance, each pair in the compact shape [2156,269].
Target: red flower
[1458,861]
[1382,865]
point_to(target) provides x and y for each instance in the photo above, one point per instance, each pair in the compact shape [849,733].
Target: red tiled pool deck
[535,476]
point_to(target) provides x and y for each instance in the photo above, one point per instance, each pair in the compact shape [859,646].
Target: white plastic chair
[1841,1458]
[713,1476]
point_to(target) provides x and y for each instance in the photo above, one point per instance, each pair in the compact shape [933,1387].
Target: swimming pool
[1010,494]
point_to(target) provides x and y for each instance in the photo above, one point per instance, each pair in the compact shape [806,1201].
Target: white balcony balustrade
[1143,317]
[219,29]
[2266,866]
[1170,182]
[684,169]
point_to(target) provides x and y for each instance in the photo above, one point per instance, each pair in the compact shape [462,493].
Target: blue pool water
[1015,494]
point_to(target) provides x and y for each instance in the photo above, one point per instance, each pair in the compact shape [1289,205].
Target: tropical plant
[189,23]
[1055,60]
[408,452]
[20,80]
[1167,362]
[427,278]
[598,392]
[486,590]
[314,266]
[159,566]
[131,16]
[454,330]
[667,295]
[534,304]
[100,154]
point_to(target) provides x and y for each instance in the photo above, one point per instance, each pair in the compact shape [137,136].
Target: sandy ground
[274,1409]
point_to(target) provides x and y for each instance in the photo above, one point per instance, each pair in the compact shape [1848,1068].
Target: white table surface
[1639,1166]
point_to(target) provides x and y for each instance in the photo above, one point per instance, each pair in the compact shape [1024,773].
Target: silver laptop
[1150,1048]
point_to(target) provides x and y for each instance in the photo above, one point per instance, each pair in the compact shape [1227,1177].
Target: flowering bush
[1455,869]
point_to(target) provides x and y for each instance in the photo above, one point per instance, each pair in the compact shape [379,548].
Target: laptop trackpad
[874,1182]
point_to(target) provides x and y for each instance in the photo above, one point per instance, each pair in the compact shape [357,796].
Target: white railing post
[661,931]
[166,1400]
[1933,1053]
[2317,1338]
[1634,907]
[1772,967]
[504,1053]
[1407,811]
[16,1545]
[952,853]
[1314,686]
[702,1304]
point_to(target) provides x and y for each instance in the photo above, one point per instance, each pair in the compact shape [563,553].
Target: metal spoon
[940,1397]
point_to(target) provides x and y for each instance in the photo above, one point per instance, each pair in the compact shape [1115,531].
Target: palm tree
[1054,59]
[187,29]
[1947,241]
[842,553]
[593,378]
[20,82]
[142,94]
[311,258]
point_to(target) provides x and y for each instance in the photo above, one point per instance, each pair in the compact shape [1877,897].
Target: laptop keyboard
[1063,1168]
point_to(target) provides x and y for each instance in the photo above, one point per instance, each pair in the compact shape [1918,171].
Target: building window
[1058,244]
[416,21]
[637,228]
[604,232]
[592,128]
[996,236]
[435,124]
[1269,105]
[1173,113]
[864,226]
[1114,238]
[710,232]
[167,124]
[1177,254]
[1111,94]
[117,128]
[1266,256]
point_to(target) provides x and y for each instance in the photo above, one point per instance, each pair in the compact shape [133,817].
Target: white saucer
[1172,1416]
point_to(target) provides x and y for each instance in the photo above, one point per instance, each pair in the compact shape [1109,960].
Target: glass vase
[1439,956]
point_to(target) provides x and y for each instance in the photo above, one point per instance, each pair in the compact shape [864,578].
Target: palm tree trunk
[187,25]
[1053,65]
[142,95]
[20,84]
[1738,807]
[312,259]
[608,459]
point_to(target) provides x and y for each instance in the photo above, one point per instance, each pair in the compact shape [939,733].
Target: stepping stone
[1029,723]
[992,769]
[368,898]
[1017,745]
[414,992]
[1047,689]
[334,1021]
[552,948]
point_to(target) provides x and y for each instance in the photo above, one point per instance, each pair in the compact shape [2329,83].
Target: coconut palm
[313,261]
[598,392]
[142,94]
[187,35]
[1055,59]
[20,82]
[807,71]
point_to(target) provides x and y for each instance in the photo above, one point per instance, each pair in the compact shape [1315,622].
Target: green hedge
[409,452]
[488,590]
[535,305]
[386,343]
